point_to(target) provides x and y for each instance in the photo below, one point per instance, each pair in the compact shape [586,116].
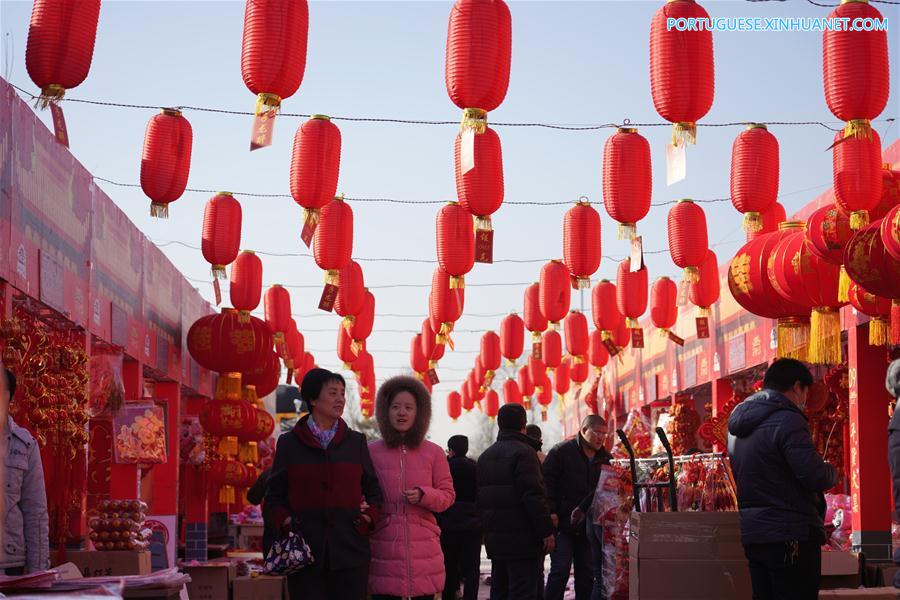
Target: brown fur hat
[386,393]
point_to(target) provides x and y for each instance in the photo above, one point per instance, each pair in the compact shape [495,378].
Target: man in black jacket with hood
[780,483]
[513,505]
[461,524]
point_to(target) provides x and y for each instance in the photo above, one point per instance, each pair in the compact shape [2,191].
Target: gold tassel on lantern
[228,446]
[858,128]
[226,494]
[684,132]
[474,118]
[457,283]
[632,323]
[333,277]
[627,231]
[443,336]
[159,210]
[266,103]
[825,336]
[878,332]
[229,387]
[793,338]
[844,286]
[250,394]
[218,272]
[249,453]
[483,223]
[243,316]
[692,274]
[356,346]
[752,222]
[311,217]
[51,94]
[606,334]
[347,323]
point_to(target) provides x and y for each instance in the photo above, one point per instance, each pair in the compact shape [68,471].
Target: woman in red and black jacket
[323,485]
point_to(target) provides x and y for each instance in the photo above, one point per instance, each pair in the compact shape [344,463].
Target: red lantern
[365,320]
[858,177]
[576,329]
[537,370]
[627,179]
[827,233]
[705,291]
[663,304]
[480,372]
[273,50]
[511,393]
[345,349]
[491,404]
[604,307]
[512,337]
[631,293]
[870,265]
[598,354]
[222,343]
[246,284]
[364,366]
[875,307]
[578,371]
[480,189]
[551,349]
[221,237]
[333,243]
[622,335]
[465,396]
[352,293]
[535,320]
[228,474]
[771,219]
[479,51]
[754,174]
[545,396]
[855,65]
[581,243]
[890,193]
[296,346]
[60,45]
[265,379]
[429,344]
[454,405]
[890,232]
[315,167]
[682,77]
[445,306]
[688,240]
[165,160]
[525,383]
[417,360]
[455,243]
[277,306]
[555,293]
[490,352]
[561,379]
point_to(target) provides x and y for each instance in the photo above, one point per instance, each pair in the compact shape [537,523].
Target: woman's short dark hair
[10,383]
[314,381]
[784,373]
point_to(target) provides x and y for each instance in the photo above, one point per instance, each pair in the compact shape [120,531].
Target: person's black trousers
[462,562]
[323,583]
[516,579]
[785,570]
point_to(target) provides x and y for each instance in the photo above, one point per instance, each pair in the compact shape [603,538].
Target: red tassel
[895,322]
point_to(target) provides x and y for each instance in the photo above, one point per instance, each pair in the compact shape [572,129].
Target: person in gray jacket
[892,383]
[25,544]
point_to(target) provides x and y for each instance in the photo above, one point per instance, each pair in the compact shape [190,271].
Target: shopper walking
[571,471]
[322,471]
[512,500]
[534,432]
[780,483]
[25,542]
[406,548]
[461,524]
[892,383]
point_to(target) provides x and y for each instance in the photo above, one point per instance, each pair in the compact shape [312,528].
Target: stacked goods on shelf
[119,525]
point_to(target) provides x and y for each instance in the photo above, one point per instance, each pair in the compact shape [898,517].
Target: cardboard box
[264,587]
[109,563]
[882,593]
[675,579]
[152,594]
[250,537]
[841,570]
[211,581]
[880,574]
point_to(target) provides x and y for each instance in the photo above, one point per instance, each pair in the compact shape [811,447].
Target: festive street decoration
[277,306]
[890,232]
[511,393]
[870,265]
[491,404]
[688,241]
[445,305]
[364,321]
[480,188]
[771,219]
[875,307]
[627,179]
[490,353]
[581,243]
[455,243]
[315,167]
[551,349]
[631,298]
[535,320]
[597,352]
[221,235]
[224,344]
[512,337]
[245,288]
[663,307]
[858,177]
[704,292]
[454,405]
[754,174]
[576,330]
[525,383]
[351,294]
[555,292]
[828,232]
[332,247]
[165,159]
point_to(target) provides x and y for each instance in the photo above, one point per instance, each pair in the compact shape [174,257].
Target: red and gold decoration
[535,320]
[754,174]
[418,362]
[455,242]
[631,298]
[605,308]
[512,337]
[562,380]
[555,292]
[480,188]
[165,160]
[352,293]
[245,288]
[870,265]
[663,305]
[597,352]
[688,241]
[551,349]
[704,292]
[345,350]
[277,306]
[858,176]
[828,232]
[771,219]
[228,475]
[627,179]
[454,405]
[315,167]
[264,379]
[877,309]
[890,232]
[445,306]
[491,356]
[579,370]
[576,330]
[511,393]
[228,415]
[221,235]
[364,321]
[581,243]
[332,247]
[525,384]
[491,404]
[685,424]
[224,344]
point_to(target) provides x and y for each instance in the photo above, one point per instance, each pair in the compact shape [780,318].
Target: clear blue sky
[573,62]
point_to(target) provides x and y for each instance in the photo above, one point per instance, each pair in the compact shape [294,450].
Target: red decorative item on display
[429,344]
[60,45]
[245,288]
[555,291]
[418,362]
[491,404]
[551,349]
[333,242]
[688,241]
[627,179]
[352,292]
[465,396]
[875,307]
[537,370]
[480,189]
[576,330]
[705,291]
[663,307]
[827,233]
[277,307]
[561,378]
[221,235]
[511,393]
[345,349]
[535,320]
[315,167]
[870,265]
[454,405]
[512,337]
[581,243]
[597,352]
[545,396]
[265,379]
[771,219]
[855,65]
[525,383]
[445,305]
[754,174]
[631,292]
[364,321]
[227,474]
[490,352]
[165,160]
[890,232]
[481,373]
[455,242]
[682,75]
[222,343]
[890,193]
[578,371]
[604,307]
[858,176]
[296,346]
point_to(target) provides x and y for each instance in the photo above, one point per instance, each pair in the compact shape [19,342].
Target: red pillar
[124,481]
[164,498]
[722,392]
[870,480]
[194,498]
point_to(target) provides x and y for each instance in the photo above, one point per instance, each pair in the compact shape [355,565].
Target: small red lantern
[581,243]
[60,45]
[418,362]
[688,240]
[480,189]
[465,396]
[858,177]
[491,404]
[429,344]
[827,233]
[631,293]
[445,306]
[604,308]
[875,307]
[663,305]
[682,77]
[598,354]
[454,405]
[265,379]
[627,179]
[222,343]
[246,284]
[576,330]
[525,383]
[296,345]
[490,353]
[551,348]
[364,321]
[555,292]
[277,306]
[480,376]
[890,193]
[227,474]
[579,371]
[165,160]
[535,320]
[221,237]
[345,349]
[754,174]
[333,242]
[512,337]
[771,219]
[537,370]
[890,232]
[562,381]
[855,65]
[352,293]
[315,167]
[455,242]
[704,292]
[870,265]
[511,393]
[545,396]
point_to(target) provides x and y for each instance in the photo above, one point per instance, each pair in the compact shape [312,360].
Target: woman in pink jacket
[415,476]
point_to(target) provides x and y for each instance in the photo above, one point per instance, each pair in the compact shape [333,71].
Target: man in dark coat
[461,524]
[892,383]
[571,471]
[256,495]
[513,505]
[780,483]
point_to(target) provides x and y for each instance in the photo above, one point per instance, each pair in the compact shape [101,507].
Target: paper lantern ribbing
[296,347]
[345,350]
[273,49]
[855,65]
[663,304]
[890,193]
[551,349]
[682,75]
[315,166]
[165,160]
[221,235]
[454,405]
[858,176]
[512,337]
[466,399]
[535,320]
[576,330]
[511,393]
[245,288]
[704,292]
[277,308]
[545,396]
[875,307]
[754,174]
[60,45]
[480,189]
[222,343]
[429,343]
[581,243]
[352,293]
[537,371]
[890,232]
[555,291]
[627,179]
[333,243]
[631,293]
[604,307]
[455,242]
[597,352]
[828,233]
[688,241]
[445,306]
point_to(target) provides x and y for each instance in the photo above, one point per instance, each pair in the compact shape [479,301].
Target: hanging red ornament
[578,371]
[491,404]
[512,337]
[265,378]
[490,353]
[277,307]
[165,160]
[352,293]
[631,293]
[551,349]
[479,186]
[418,362]
[345,350]
[315,167]
[245,288]
[429,344]
[576,330]
[663,305]
[688,240]
[332,247]
[604,308]
[535,320]
[555,292]
[455,242]
[562,381]
[890,232]
[858,177]
[537,371]
[581,243]
[870,265]
[222,343]
[221,236]
[875,307]
[627,179]
[524,381]
[704,292]
[890,193]
[597,353]
[545,396]
[771,219]
[445,306]
[465,396]
[454,405]
[511,393]
[827,233]
[754,174]
[364,321]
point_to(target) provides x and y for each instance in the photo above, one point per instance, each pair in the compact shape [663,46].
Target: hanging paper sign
[433,377]
[467,151]
[702,327]
[218,291]
[683,288]
[309,228]
[329,295]
[611,346]
[263,128]
[484,246]
[637,338]
[678,340]
[676,163]
[637,255]
[59,124]
[536,351]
